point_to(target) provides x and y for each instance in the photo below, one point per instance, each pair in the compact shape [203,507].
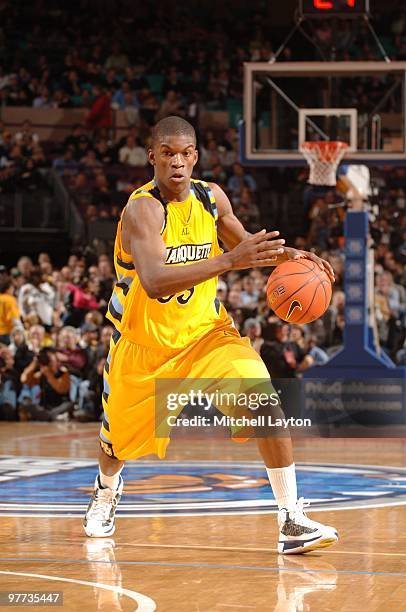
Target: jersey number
[182,298]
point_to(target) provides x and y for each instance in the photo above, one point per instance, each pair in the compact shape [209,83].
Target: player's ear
[196,153]
[151,157]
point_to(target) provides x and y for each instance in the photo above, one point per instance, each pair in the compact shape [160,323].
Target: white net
[323,158]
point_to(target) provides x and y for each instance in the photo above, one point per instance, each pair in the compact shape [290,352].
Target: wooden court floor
[200,563]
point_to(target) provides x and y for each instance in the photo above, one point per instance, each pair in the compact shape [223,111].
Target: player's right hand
[260,249]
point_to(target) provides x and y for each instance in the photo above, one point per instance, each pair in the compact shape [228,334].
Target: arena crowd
[54,336]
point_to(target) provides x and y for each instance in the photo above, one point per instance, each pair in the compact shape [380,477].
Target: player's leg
[297,533]
[109,469]
[229,356]
[128,428]
[108,488]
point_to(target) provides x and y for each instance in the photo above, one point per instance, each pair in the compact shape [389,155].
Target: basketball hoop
[323,157]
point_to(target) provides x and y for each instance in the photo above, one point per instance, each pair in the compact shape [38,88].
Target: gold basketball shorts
[128,428]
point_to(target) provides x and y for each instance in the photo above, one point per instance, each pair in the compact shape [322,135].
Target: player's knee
[273,408]
[269,419]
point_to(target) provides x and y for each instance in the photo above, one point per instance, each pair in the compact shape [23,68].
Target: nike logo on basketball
[294,304]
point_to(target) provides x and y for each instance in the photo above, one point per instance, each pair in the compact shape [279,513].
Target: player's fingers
[328,266]
[263,235]
[329,271]
[324,265]
[270,244]
[270,253]
[273,234]
[270,261]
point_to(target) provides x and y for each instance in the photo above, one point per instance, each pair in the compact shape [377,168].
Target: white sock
[111,482]
[283,483]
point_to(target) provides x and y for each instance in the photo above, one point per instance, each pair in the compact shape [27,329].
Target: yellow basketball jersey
[190,235]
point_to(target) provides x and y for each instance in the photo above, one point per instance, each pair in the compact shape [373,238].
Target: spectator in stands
[117,60]
[172,82]
[120,98]
[19,349]
[234,297]
[318,355]
[90,405]
[132,153]
[148,107]
[45,393]
[89,161]
[43,100]
[249,294]
[101,191]
[216,99]
[79,300]
[240,179]
[222,290]
[66,164]
[8,385]
[216,174]
[9,311]
[209,155]
[31,180]
[99,116]
[247,210]
[26,136]
[37,296]
[104,152]
[78,139]
[281,356]
[37,338]
[196,86]
[388,309]
[252,329]
[171,105]
[75,358]
[131,109]
[106,278]
[314,355]
[337,335]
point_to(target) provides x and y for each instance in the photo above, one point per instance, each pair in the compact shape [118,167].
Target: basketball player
[170,324]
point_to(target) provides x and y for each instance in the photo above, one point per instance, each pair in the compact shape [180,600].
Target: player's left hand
[294,254]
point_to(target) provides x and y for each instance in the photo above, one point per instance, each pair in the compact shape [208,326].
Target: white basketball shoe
[99,518]
[299,534]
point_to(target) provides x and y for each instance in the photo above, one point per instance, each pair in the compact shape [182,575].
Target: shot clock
[338,8]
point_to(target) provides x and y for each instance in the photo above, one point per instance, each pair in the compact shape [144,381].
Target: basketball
[298,291]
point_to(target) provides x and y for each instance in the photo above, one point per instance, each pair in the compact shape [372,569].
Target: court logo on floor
[61,487]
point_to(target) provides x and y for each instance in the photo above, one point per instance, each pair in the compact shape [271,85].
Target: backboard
[360,103]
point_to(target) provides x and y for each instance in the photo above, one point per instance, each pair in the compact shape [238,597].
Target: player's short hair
[172,126]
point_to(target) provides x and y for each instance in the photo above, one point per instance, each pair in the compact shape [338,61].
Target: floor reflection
[104,570]
[295,587]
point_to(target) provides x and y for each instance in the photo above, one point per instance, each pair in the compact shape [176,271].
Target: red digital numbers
[326,5]
[322,4]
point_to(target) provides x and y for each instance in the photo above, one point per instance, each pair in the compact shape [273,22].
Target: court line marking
[144,603]
[197,565]
[253,549]
[266,550]
[212,511]
[353,467]
[170,514]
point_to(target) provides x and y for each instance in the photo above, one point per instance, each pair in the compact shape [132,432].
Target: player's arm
[231,232]
[141,235]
